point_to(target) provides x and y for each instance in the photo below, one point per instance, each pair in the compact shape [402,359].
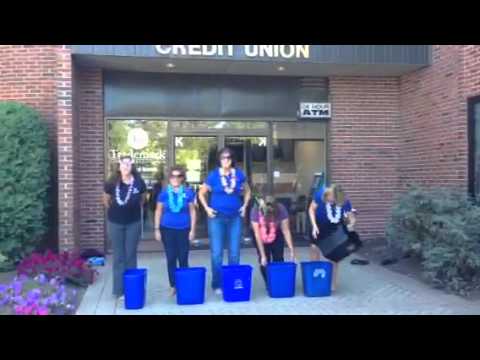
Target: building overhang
[316,60]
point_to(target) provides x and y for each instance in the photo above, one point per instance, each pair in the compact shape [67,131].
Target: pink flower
[42,311]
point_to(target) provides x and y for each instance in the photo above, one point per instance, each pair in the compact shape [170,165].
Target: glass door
[197,154]
[251,154]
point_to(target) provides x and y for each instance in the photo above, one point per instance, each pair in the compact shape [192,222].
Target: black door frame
[472,146]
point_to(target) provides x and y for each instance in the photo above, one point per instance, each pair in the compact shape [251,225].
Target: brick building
[392,115]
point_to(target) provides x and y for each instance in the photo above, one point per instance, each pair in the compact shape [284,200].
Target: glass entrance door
[251,154]
[197,154]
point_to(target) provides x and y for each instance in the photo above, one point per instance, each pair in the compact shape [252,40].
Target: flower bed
[69,267]
[38,296]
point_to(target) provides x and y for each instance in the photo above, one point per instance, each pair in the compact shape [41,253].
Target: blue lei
[178,206]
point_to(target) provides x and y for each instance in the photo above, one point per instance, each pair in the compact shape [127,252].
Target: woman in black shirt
[124,198]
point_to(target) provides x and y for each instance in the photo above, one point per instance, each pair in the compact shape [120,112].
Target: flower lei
[178,206]
[267,237]
[338,213]
[229,189]
[121,202]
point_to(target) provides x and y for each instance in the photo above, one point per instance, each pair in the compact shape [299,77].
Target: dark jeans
[176,245]
[124,240]
[273,252]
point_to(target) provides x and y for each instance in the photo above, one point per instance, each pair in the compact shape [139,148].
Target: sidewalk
[362,291]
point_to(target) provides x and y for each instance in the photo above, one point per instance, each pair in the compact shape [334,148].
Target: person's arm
[287,234]
[193,219]
[261,248]
[158,219]
[247,196]
[107,200]
[202,196]
[313,219]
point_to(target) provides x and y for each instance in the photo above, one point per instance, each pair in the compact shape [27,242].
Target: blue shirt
[180,220]
[321,212]
[227,205]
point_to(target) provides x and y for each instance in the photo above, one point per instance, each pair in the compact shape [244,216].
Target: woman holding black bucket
[175,220]
[225,211]
[124,198]
[271,226]
[333,219]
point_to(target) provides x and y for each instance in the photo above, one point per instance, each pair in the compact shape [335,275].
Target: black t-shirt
[131,212]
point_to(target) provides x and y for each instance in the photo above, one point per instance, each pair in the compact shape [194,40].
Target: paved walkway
[362,291]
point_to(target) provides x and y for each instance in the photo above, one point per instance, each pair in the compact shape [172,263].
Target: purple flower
[42,279]
[17,287]
[3,288]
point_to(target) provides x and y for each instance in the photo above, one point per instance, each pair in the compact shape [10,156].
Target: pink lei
[267,237]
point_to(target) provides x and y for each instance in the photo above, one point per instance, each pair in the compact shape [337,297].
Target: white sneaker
[218,292]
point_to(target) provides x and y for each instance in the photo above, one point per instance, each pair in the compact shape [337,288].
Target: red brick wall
[91,149]
[364,146]
[433,122]
[470,79]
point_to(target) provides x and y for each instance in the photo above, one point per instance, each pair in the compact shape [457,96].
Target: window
[298,154]
[474,145]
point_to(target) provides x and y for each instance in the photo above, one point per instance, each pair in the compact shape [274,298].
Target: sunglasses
[226,158]
[176,176]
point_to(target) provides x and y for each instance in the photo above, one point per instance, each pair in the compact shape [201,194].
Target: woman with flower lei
[124,198]
[271,226]
[327,212]
[175,220]
[225,211]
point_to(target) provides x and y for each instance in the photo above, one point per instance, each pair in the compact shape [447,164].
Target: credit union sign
[230,51]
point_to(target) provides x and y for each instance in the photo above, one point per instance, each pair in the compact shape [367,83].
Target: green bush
[442,227]
[24,181]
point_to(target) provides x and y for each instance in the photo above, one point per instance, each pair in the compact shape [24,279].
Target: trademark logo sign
[315,111]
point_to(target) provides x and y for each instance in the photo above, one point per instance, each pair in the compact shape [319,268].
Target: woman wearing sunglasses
[175,219]
[124,198]
[225,212]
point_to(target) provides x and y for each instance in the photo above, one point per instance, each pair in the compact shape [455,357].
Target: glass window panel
[476,119]
[219,125]
[146,142]
[298,154]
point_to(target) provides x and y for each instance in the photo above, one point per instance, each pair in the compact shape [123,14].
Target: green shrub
[24,180]
[442,227]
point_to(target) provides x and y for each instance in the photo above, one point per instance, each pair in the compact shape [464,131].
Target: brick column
[66,147]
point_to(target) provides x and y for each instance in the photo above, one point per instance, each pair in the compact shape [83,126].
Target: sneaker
[218,292]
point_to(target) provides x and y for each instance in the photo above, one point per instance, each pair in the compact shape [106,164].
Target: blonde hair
[328,191]
[337,192]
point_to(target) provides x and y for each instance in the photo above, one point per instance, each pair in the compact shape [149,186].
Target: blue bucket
[281,279]
[190,284]
[237,283]
[135,288]
[317,278]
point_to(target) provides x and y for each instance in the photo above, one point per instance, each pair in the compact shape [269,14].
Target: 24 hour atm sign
[315,110]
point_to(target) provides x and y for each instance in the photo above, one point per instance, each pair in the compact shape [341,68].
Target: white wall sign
[250,51]
[137,139]
[315,110]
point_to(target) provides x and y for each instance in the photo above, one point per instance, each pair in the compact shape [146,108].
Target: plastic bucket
[281,279]
[135,288]
[190,284]
[237,283]
[317,278]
